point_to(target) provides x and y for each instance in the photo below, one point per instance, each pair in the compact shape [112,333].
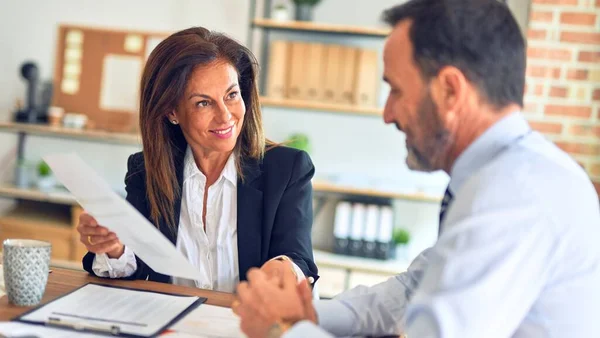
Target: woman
[227,199]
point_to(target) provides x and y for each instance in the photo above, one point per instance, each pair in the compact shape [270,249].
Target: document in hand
[113,212]
[113,310]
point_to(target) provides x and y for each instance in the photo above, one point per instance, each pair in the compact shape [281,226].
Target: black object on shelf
[39,96]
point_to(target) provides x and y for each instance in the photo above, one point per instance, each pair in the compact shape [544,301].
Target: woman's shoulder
[282,159]
[282,154]
[135,162]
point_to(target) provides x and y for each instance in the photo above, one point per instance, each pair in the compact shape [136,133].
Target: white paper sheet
[120,86]
[207,321]
[95,306]
[113,212]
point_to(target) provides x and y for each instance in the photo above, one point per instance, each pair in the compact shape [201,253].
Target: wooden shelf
[321,27]
[34,194]
[321,106]
[389,267]
[61,132]
[327,187]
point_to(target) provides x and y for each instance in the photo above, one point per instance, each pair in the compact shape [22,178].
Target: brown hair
[165,77]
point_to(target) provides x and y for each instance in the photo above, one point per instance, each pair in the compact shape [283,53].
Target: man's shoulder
[534,170]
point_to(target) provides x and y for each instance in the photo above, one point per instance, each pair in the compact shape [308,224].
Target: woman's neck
[211,164]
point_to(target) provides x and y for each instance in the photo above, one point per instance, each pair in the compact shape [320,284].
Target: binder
[384,247]
[341,227]
[333,60]
[297,85]
[346,79]
[278,69]
[371,230]
[63,313]
[367,78]
[314,71]
[356,232]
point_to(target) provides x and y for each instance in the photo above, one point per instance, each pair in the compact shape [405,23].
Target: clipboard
[105,326]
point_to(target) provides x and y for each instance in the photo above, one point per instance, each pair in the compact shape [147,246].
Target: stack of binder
[363,230]
[323,72]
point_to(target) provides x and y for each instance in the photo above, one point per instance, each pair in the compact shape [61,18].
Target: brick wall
[563,77]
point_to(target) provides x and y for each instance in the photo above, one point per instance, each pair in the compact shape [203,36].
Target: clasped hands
[272,297]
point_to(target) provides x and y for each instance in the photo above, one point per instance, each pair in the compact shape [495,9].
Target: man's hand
[263,302]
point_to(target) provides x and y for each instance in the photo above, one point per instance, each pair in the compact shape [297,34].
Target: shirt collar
[486,147]
[190,169]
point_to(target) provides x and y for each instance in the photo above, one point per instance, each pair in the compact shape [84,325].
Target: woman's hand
[275,268]
[98,239]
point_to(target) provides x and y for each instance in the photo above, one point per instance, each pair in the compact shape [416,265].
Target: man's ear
[449,89]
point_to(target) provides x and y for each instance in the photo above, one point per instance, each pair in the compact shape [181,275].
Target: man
[518,253]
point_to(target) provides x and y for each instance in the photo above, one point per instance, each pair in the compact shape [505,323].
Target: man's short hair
[479,37]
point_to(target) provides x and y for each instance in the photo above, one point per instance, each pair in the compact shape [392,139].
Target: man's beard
[428,157]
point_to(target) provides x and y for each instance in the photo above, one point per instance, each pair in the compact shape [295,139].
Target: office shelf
[321,27]
[62,132]
[328,187]
[321,106]
[33,194]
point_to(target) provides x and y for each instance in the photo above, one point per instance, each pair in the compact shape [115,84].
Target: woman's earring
[174,122]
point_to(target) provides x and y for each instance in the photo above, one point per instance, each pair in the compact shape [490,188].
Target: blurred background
[70,80]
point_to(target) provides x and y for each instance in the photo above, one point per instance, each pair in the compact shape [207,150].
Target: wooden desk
[62,281]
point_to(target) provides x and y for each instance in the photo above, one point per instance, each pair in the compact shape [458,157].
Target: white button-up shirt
[213,251]
[518,255]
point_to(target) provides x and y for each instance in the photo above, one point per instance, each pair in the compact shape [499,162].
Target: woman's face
[211,112]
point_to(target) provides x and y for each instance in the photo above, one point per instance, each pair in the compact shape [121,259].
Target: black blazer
[274,206]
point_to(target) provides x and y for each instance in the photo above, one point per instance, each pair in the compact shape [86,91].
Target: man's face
[410,105]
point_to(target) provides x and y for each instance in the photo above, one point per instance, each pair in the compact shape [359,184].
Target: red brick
[580,37]
[596,95]
[547,127]
[583,19]
[589,56]
[555,2]
[579,148]
[585,130]
[536,34]
[577,74]
[538,90]
[541,16]
[571,111]
[543,72]
[595,169]
[549,54]
[558,92]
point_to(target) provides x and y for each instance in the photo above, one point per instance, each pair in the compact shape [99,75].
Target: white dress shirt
[213,251]
[518,254]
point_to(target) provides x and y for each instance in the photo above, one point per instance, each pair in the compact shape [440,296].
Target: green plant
[306,2]
[43,169]
[401,236]
[298,141]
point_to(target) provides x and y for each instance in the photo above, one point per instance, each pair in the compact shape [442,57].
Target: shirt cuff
[335,317]
[305,329]
[124,266]
[299,273]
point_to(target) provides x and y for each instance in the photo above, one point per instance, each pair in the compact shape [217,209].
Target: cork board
[97,73]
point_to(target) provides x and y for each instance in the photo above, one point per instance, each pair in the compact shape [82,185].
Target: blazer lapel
[249,219]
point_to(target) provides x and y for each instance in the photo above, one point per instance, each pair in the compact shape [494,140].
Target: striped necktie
[445,204]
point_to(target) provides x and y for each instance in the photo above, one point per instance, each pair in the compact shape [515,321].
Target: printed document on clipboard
[115,213]
[113,310]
